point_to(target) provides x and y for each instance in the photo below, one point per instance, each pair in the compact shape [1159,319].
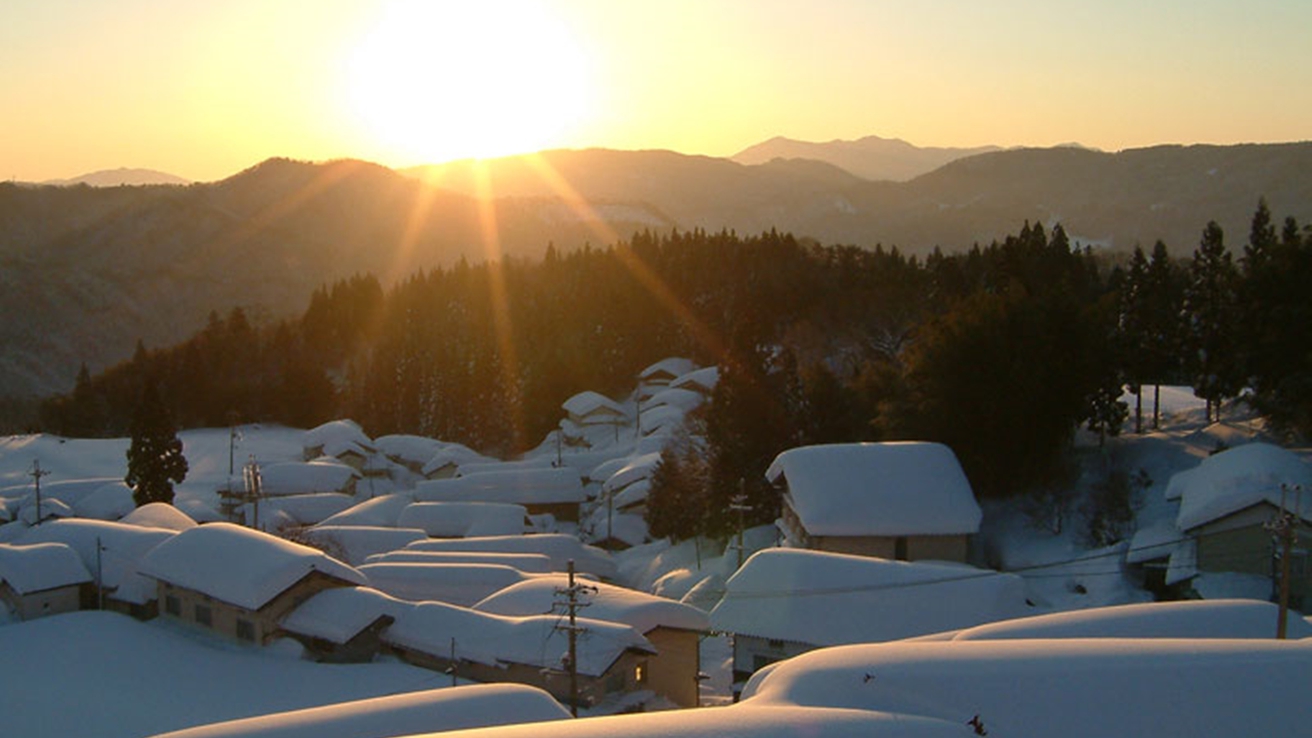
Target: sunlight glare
[436,81]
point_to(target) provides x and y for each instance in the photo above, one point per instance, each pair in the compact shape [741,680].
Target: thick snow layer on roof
[41,566]
[701,380]
[89,674]
[559,547]
[525,562]
[667,369]
[339,614]
[310,509]
[238,565]
[588,403]
[464,519]
[50,507]
[456,584]
[491,639]
[825,599]
[109,502]
[455,708]
[639,467]
[355,543]
[379,511]
[337,432]
[1156,541]
[1239,478]
[521,486]
[860,489]
[483,467]
[408,448]
[305,477]
[540,596]
[633,494]
[122,547]
[684,400]
[159,515]
[603,471]
[1077,688]
[661,419]
[453,455]
[70,491]
[1185,619]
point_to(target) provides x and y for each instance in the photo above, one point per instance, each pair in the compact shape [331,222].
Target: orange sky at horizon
[205,90]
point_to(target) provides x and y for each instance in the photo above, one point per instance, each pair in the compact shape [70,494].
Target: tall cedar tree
[1163,298]
[1211,331]
[155,460]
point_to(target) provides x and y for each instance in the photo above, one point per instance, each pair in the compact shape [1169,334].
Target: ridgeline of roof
[1237,479]
[464,519]
[518,486]
[337,432]
[453,455]
[408,448]
[668,368]
[560,548]
[41,566]
[638,468]
[355,543]
[238,565]
[541,596]
[455,584]
[339,614]
[878,489]
[122,545]
[1184,619]
[589,403]
[379,511]
[525,562]
[160,515]
[826,599]
[700,380]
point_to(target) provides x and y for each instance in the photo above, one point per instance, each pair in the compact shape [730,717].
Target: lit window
[640,673]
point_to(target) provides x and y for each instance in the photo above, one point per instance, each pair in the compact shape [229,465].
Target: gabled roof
[41,566]
[122,546]
[463,519]
[541,596]
[110,501]
[453,455]
[558,546]
[456,584]
[518,486]
[638,468]
[336,433]
[339,614]
[589,403]
[1237,479]
[408,448]
[826,599]
[667,369]
[701,380]
[238,565]
[355,543]
[305,477]
[878,489]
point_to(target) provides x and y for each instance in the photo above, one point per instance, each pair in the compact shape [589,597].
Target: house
[590,408]
[539,489]
[902,500]
[659,375]
[356,543]
[111,553]
[239,582]
[342,625]
[445,463]
[41,579]
[559,547]
[307,477]
[1227,501]
[409,451]
[673,628]
[455,584]
[335,438]
[464,519]
[698,380]
[784,602]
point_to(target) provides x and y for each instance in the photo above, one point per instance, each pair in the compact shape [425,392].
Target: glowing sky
[203,90]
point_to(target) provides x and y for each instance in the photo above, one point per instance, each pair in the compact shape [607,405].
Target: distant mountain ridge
[871,157]
[120,177]
[87,271]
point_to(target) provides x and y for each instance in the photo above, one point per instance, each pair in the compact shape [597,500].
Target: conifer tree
[1210,311]
[155,460]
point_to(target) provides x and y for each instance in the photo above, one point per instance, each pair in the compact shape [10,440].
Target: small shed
[903,500]
[41,579]
[590,408]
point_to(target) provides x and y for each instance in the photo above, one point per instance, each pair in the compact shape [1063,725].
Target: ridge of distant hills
[86,271]
[122,176]
[871,157]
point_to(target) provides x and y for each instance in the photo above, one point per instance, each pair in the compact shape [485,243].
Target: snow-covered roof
[633,494]
[536,641]
[1155,541]
[433,710]
[336,433]
[238,565]
[518,486]
[109,502]
[667,369]
[1078,688]
[453,455]
[525,562]
[559,547]
[628,528]
[305,477]
[339,614]
[662,418]
[122,547]
[50,507]
[464,519]
[1239,478]
[826,599]
[355,543]
[379,511]
[408,448]
[588,404]
[878,489]
[456,584]
[1184,619]
[483,467]
[684,400]
[308,509]
[638,468]
[603,471]
[541,596]
[702,380]
[41,566]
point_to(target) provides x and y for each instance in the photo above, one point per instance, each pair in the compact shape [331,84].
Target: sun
[438,80]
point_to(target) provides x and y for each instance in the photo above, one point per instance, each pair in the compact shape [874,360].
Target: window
[172,606]
[900,548]
[245,630]
[640,672]
[203,615]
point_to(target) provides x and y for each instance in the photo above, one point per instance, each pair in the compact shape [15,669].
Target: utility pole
[232,439]
[572,605]
[453,661]
[100,577]
[1283,530]
[251,474]
[36,474]
[739,504]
